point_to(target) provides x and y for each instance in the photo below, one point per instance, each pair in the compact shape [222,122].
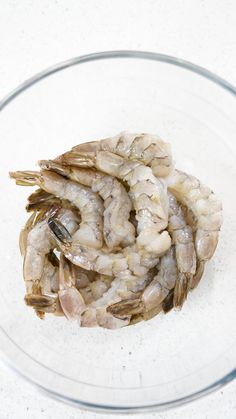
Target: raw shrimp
[182,238]
[88,202]
[146,148]
[39,293]
[78,287]
[82,277]
[205,206]
[148,194]
[100,285]
[117,229]
[132,232]
[39,272]
[43,282]
[207,210]
[71,300]
[90,284]
[154,294]
[122,286]
[45,297]
[99,260]
[40,199]
[25,231]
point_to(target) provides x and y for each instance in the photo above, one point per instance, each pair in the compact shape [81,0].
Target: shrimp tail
[198,275]
[53,259]
[39,301]
[40,199]
[125,308]
[26,178]
[59,231]
[74,158]
[181,289]
[40,314]
[55,166]
[168,302]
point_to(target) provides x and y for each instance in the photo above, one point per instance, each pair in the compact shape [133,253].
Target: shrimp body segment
[205,206]
[146,148]
[182,237]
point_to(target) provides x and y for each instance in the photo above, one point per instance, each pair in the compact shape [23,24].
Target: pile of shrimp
[116,233]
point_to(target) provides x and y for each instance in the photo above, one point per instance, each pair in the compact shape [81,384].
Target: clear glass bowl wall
[171,358]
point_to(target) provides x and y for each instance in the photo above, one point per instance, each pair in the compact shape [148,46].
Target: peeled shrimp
[39,272]
[117,229]
[154,294]
[45,297]
[133,233]
[122,286]
[25,231]
[207,210]
[79,288]
[182,238]
[100,260]
[204,205]
[90,284]
[40,294]
[146,148]
[100,285]
[88,202]
[71,300]
[147,192]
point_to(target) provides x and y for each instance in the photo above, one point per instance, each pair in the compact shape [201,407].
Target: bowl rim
[104,55]
[5,101]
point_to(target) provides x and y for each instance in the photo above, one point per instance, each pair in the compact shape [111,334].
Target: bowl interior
[170,357]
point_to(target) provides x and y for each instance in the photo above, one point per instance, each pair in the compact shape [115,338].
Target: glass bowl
[172,358]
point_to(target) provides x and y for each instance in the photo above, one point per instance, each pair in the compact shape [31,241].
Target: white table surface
[34,35]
